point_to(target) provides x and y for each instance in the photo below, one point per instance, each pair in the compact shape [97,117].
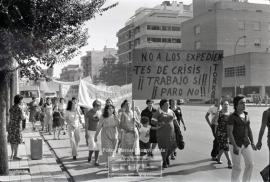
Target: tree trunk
[4,170]
[8,84]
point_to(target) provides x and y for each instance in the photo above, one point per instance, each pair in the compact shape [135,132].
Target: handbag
[178,135]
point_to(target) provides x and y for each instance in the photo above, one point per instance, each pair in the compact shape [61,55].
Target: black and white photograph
[134,90]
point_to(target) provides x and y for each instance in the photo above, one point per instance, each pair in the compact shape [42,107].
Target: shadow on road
[191,163]
[207,167]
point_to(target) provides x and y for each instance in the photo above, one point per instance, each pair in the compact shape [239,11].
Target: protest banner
[174,74]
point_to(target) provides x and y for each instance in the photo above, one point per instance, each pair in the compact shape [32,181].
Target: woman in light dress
[109,126]
[130,135]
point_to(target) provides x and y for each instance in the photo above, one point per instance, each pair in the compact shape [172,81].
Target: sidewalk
[45,169]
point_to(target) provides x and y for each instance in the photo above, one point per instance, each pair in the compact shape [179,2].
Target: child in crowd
[57,117]
[144,131]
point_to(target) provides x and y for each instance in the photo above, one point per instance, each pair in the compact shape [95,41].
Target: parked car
[182,101]
[253,98]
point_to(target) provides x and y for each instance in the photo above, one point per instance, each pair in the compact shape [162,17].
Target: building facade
[92,62]
[248,73]
[221,23]
[158,27]
[238,28]
[71,73]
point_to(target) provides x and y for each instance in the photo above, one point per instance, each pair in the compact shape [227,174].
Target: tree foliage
[44,32]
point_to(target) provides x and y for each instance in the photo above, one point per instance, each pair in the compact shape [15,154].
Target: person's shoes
[17,158]
[74,158]
[64,133]
[214,159]
[164,165]
[219,161]
[172,157]
[89,159]
[168,161]
[96,164]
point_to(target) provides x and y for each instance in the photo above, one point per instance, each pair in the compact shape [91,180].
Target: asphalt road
[192,164]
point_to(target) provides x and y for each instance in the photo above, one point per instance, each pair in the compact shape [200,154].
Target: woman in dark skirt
[57,117]
[164,118]
[14,128]
[222,136]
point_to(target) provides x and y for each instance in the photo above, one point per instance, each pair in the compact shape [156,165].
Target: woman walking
[130,134]
[222,136]
[57,117]
[108,125]
[41,113]
[14,128]
[241,140]
[48,115]
[164,118]
[73,119]
[92,118]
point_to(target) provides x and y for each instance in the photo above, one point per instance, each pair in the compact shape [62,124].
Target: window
[197,45]
[137,42]
[241,25]
[153,27]
[175,28]
[166,28]
[257,25]
[240,71]
[176,40]
[168,40]
[257,43]
[229,72]
[153,39]
[197,29]
[137,30]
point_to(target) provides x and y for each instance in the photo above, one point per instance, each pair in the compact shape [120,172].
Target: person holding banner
[108,125]
[178,113]
[166,140]
[213,113]
[130,133]
[92,118]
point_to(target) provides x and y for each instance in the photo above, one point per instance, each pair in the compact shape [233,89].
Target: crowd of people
[131,132]
[232,132]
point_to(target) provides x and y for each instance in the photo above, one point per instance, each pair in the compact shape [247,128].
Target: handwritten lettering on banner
[176,74]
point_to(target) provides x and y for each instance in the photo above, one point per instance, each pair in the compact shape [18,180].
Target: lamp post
[234,54]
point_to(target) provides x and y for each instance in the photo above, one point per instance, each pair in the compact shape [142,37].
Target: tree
[35,33]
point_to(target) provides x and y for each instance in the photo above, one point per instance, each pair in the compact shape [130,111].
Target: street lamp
[234,53]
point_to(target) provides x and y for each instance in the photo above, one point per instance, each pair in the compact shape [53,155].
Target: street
[191,164]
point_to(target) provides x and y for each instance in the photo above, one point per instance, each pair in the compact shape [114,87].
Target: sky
[102,29]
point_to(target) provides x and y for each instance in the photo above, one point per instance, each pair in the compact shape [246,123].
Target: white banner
[89,92]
